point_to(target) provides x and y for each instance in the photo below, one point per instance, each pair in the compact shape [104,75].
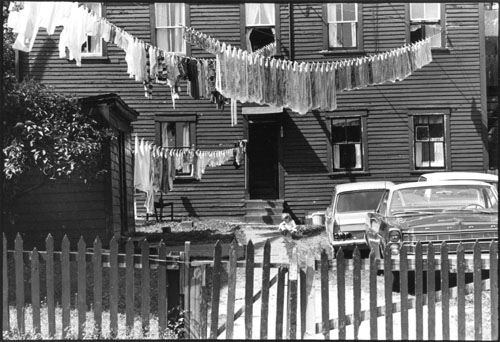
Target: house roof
[111,103]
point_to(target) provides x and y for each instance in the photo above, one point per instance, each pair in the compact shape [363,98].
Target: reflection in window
[260,25]
[342,25]
[425,21]
[429,141]
[169,19]
[347,141]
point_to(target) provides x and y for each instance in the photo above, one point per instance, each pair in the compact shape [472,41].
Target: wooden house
[293,161]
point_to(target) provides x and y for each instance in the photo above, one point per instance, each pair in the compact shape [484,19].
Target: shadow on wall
[476,118]
[299,155]
[186,202]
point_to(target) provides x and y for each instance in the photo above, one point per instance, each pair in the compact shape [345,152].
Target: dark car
[452,211]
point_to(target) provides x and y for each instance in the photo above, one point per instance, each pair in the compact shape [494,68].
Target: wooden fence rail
[287,292]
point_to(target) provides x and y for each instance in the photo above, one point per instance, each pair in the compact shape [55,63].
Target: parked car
[451,211]
[438,176]
[345,216]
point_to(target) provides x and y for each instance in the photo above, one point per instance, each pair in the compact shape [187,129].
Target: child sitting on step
[288,224]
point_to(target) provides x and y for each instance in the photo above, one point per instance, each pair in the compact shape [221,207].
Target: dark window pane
[422,133]
[347,156]
[338,134]
[353,133]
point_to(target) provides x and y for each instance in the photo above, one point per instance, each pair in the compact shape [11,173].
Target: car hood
[351,221]
[449,221]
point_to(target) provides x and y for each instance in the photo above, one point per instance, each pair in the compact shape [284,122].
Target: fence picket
[97,268]
[231,290]
[82,287]
[478,329]
[5,286]
[431,293]
[216,283]
[325,296]
[280,302]
[113,287]
[65,286]
[445,291]
[49,270]
[195,302]
[266,275]
[356,279]
[373,297]
[162,290]
[187,282]
[341,294]
[309,296]
[419,297]
[19,265]
[145,286]
[403,288]
[35,290]
[461,291]
[249,278]
[388,293]
[204,302]
[302,301]
[494,289]
[129,286]
[292,293]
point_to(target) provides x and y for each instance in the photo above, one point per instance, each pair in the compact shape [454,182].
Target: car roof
[461,175]
[438,183]
[363,186]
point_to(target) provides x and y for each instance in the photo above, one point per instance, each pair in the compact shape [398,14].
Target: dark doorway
[262,154]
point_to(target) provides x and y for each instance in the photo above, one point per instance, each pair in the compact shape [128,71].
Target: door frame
[279,132]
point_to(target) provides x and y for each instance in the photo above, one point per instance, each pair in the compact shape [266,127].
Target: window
[343,26]
[426,20]
[94,45]
[347,141]
[169,20]
[177,132]
[260,25]
[429,134]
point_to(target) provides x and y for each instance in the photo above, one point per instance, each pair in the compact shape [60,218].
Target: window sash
[347,39]
[260,14]
[429,141]
[347,143]
[333,13]
[169,20]
[425,11]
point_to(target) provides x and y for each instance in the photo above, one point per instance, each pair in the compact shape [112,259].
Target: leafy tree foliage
[45,131]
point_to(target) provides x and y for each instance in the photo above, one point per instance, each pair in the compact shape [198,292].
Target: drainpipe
[290,31]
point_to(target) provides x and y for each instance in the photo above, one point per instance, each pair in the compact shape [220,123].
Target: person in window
[288,224]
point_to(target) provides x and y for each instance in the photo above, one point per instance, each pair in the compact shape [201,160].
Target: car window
[359,200]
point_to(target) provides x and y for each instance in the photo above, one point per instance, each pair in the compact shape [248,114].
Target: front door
[262,154]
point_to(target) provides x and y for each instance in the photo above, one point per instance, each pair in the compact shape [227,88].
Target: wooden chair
[160,204]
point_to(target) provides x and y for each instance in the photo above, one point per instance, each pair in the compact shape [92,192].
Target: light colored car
[345,216]
[452,211]
[478,176]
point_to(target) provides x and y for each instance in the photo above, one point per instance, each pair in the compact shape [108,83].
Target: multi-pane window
[169,20]
[347,143]
[93,46]
[425,21]
[342,19]
[178,135]
[260,24]
[429,141]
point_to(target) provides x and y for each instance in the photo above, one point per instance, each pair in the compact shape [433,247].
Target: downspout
[290,31]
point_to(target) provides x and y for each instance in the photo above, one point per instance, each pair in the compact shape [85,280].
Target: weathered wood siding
[451,80]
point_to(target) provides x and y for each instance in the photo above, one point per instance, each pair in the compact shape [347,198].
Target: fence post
[445,291]
[204,302]
[249,272]
[51,309]
[18,255]
[403,288]
[187,287]
[129,286]
[341,293]
[195,303]
[82,287]
[266,265]
[388,293]
[431,293]
[216,282]
[145,284]
[478,329]
[113,287]
[419,298]
[494,289]
[310,311]
[280,302]
[325,296]
[231,290]
[97,265]
[292,294]
[357,290]
[162,290]
[65,285]
[5,284]
[35,290]
[373,296]
[461,291]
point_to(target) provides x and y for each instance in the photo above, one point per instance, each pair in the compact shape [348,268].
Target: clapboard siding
[451,81]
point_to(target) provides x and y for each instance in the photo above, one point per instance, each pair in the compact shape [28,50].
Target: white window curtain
[257,14]
[425,11]
[170,17]
[342,25]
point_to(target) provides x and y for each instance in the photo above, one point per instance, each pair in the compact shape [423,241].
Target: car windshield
[443,197]
[365,200]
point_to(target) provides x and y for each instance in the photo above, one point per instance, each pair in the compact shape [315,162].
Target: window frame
[277,28]
[359,33]
[177,119]
[442,23]
[445,113]
[363,116]
[187,22]
[104,45]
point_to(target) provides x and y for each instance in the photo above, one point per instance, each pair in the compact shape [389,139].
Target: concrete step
[266,219]
[263,211]
[251,204]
